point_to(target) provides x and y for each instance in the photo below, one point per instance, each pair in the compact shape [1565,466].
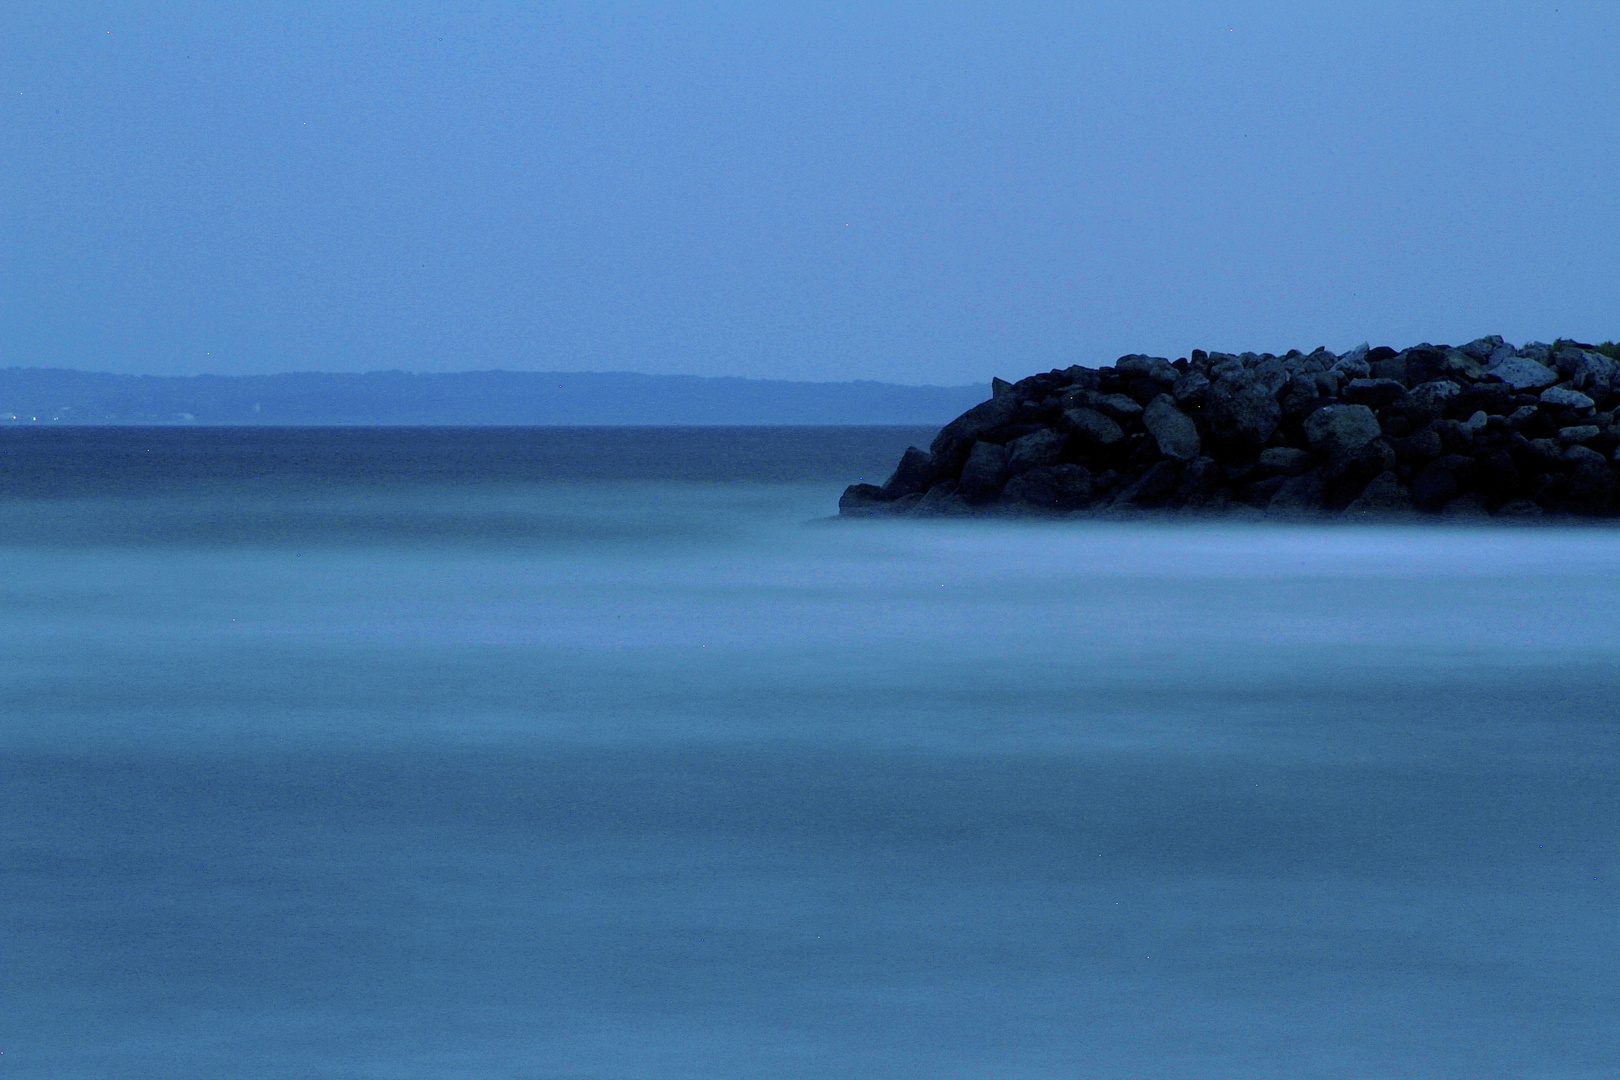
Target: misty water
[602,754]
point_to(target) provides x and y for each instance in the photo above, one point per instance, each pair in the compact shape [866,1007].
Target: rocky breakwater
[1484,429]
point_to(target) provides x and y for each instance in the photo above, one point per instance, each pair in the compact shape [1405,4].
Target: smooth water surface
[481,773]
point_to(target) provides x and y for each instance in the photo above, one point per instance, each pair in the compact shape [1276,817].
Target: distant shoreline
[54,397]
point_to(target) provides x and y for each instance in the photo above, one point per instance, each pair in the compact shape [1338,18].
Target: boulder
[1093,427]
[1338,429]
[1523,373]
[913,474]
[950,447]
[1298,495]
[1373,393]
[1384,496]
[1035,450]
[1566,399]
[1285,461]
[1426,402]
[1171,428]
[1241,410]
[1051,487]
[1153,488]
[984,472]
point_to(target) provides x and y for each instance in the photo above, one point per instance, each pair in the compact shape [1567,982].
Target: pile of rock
[1483,429]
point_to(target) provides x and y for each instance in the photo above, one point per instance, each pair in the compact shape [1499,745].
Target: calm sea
[595,754]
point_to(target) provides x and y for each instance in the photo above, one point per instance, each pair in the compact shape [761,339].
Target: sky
[925,193]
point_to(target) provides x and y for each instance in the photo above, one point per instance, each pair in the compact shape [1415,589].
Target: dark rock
[1153,488]
[1121,407]
[1418,447]
[1051,487]
[1261,492]
[942,500]
[1285,461]
[914,473]
[1519,508]
[1000,388]
[984,472]
[1440,481]
[1091,426]
[1241,411]
[1200,479]
[1172,429]
[1298,495]
[1493,399]
[1580,433]
[1190,388]
[950,447]
[863,500]
[1374,393]
[1465,507]
[1035,450]
[1346,474]
[1339,429]
[1426,402]
[1383,496]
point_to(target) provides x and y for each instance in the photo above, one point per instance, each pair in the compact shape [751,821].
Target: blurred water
[595,777]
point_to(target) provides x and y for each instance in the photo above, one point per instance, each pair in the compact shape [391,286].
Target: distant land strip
[53,396]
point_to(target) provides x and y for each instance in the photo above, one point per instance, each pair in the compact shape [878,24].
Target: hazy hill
[54,396]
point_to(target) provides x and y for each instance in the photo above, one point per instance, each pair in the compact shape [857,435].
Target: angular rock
[984,472]
[1190,388]
[1119,406]
[1091,426]
[1346,474]
[1298,495]
[914,473]
[1522,373]
[1566,399]
[863,500]
[1051,487]
[1035,450]
[1426,402]
[1339,429]
[1374,393]
[950,447]
[942,500]
[1171,428]
[1285,461]
[1519,508]
[1153,488]
[1241,411]
[1465,507]
[1579,433]
[1384,496]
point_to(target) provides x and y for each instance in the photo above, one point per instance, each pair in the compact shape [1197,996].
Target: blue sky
[919,193]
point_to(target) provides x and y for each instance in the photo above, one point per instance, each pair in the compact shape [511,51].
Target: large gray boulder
[1241,410]
[1566,399]
[1171,428]
[1522,373]
[1338,429]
